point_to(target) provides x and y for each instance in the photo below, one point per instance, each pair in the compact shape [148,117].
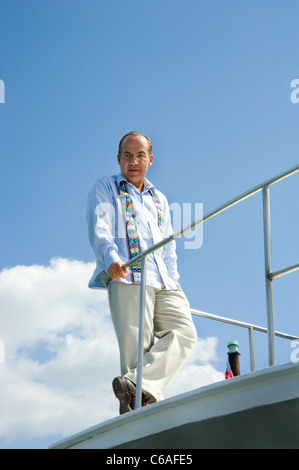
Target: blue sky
[210,83]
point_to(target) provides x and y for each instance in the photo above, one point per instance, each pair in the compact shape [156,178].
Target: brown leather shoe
[125,391]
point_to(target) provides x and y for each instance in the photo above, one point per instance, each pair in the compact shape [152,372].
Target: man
[125,216]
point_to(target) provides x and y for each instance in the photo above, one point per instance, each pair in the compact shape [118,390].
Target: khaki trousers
[169,334]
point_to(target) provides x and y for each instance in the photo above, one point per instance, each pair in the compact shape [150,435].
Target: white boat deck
[256,410]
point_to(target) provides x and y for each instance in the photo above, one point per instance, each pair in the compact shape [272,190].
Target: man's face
[135,159]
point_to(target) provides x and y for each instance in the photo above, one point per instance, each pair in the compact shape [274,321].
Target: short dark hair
[150,144]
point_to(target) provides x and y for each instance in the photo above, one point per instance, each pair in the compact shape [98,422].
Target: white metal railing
[269,274]
[251,328]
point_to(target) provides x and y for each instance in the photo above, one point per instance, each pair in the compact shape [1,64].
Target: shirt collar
[147,184]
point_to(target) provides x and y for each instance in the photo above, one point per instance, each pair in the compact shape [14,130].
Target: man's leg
[168,317]
[124,303]
[176,336]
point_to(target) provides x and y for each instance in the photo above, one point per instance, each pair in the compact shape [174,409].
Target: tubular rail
[215,212]
[269,275]
[251,328]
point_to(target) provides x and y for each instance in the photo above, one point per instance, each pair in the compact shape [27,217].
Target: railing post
[138,399]
[251,349]
[268,270]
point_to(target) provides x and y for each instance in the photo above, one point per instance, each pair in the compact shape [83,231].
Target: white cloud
[61,352]
[198,370]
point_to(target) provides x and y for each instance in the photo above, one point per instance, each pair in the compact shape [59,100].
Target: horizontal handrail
[214,212]
[242,324]
[250,327]
[283,271]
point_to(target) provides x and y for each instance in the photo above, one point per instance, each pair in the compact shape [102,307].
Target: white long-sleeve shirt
[108,238]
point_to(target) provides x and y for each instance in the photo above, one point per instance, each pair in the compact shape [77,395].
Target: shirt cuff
[111,257]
